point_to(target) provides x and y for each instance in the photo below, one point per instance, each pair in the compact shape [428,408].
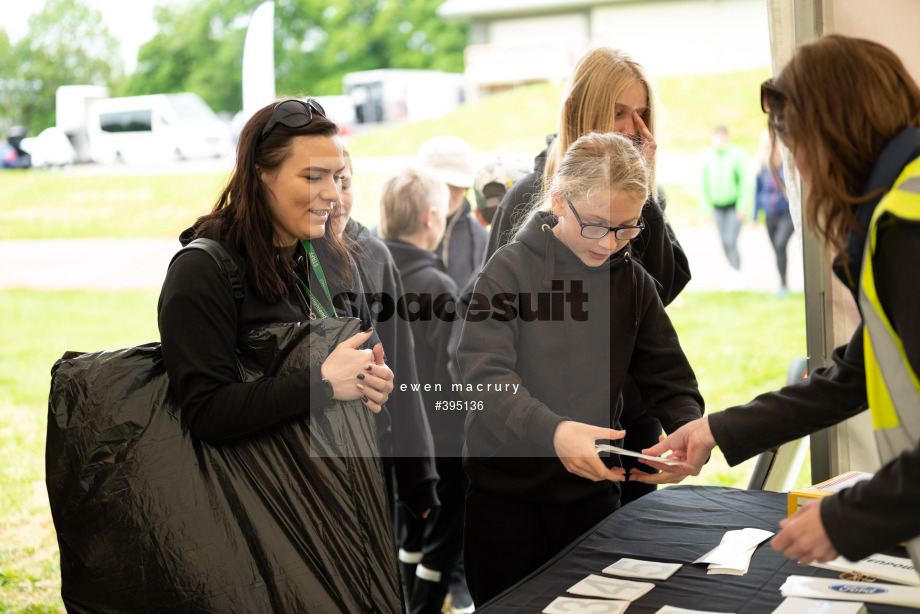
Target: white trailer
[155,128]
[71,106]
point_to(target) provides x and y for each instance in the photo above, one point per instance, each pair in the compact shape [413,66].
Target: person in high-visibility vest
[849,112]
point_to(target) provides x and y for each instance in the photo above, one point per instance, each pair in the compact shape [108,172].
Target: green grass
[517,120]
[693,105]
[740,344]
[38,328]
[45,205]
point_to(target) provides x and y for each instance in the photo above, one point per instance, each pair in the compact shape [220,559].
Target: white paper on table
[572,605]
[884,567]
[726,571]
[733,555]
[735,547]
[611,588]
[827,588]
[670,609]
[604,447]
[649,570]
[800,605]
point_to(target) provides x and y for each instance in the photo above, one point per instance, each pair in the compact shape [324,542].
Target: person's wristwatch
[327,386]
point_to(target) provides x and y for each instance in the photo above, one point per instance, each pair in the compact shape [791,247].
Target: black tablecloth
[676,525]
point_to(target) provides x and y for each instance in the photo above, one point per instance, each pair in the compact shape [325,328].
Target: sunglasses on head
[293,113]
[773,103]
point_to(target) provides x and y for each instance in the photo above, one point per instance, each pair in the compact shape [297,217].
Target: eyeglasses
[773,102]
[293,113]
[593,231]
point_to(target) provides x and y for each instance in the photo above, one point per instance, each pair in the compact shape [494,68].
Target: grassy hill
[519,119]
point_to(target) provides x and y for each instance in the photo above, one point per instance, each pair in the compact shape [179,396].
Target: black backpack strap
[223,259]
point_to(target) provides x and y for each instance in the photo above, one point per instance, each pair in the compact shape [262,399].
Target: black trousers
[430,548]
[505,540]
[642,431]
[780,229]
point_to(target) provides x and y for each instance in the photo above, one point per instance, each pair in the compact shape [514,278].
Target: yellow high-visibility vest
[892,387]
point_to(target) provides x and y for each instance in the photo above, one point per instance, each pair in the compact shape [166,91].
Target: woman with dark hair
[273,210]
[309,431]
[849,112]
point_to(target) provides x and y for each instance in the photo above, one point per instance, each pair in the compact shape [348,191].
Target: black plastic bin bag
[150,519]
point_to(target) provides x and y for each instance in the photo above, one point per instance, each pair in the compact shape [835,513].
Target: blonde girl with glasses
[608,91]
[572,316]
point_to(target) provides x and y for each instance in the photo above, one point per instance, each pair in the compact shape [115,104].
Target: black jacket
[408,439]
[423,274]
[881,512]
[569,365]
[199,320]
[656,248]
[465,240]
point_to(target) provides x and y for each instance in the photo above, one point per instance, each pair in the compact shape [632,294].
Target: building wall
[675,37]
[892,23]
[527,49]
[669,37]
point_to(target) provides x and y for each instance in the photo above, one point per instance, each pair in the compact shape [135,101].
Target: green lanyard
[318,270]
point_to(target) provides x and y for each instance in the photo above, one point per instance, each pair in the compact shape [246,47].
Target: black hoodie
[423,274]
[199,321]
[408,440]
[610,323]
[463,245]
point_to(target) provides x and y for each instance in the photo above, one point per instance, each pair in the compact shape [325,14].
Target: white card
[571,605]
[670,609]
[726,571]
[650,570]
[884,567]
[843,590]
[735,548]
[611,588]
[800,605]
[603,447]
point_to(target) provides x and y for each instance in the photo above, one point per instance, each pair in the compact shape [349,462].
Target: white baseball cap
[449,158]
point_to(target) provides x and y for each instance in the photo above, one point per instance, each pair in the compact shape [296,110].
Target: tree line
[199,48]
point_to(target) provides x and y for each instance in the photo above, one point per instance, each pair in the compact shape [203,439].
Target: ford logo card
[824,588]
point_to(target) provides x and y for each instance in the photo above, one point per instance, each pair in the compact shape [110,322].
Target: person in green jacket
[724,188]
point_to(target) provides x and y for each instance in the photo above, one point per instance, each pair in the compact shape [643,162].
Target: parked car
[50,148]
[11,155]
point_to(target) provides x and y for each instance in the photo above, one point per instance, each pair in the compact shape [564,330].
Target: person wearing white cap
[452,160]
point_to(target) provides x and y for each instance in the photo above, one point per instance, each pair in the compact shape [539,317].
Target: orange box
[798,497]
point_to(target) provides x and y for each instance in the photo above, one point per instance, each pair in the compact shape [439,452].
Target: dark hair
[242,220]
[845,99]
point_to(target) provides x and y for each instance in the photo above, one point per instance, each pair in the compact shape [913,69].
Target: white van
[155,128]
